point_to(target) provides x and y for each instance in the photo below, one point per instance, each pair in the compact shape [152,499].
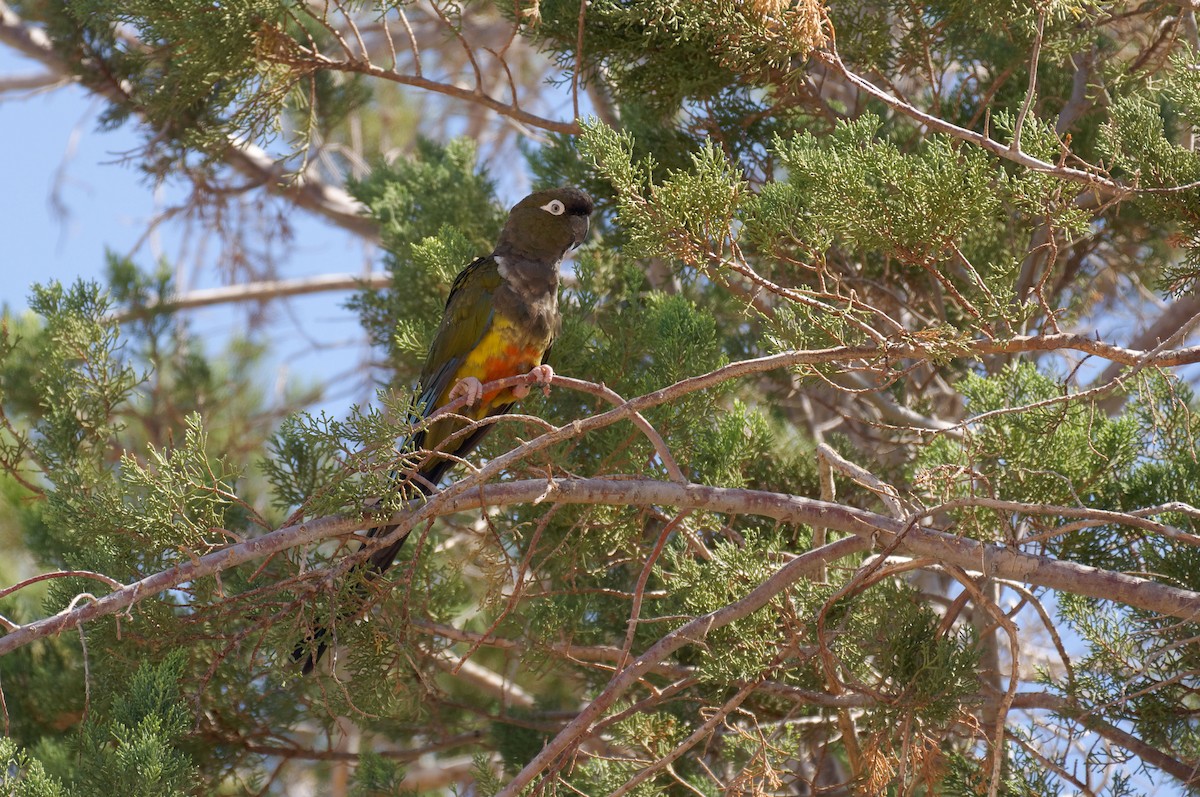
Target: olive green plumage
[500,321]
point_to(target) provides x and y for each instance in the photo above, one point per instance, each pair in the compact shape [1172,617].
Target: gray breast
[529,296]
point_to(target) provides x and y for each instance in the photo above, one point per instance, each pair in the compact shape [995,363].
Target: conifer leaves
[685,214]
[327,466]
[132,744]
[850,188]
[198,70]
[863,192]
[71,375]
[72,386]
[437,213]
[181,497]
[1137,143]
[22,775]
[661,56]
[1026,424]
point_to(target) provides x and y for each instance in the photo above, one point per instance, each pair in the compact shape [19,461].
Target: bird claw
[543,375]
[468,386]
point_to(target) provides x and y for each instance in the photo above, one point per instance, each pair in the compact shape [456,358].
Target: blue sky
[70,196]
[50,136]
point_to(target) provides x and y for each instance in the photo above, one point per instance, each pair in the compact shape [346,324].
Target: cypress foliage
[858,254]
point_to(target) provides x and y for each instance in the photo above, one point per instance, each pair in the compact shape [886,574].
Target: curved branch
[475,95]
[980,140]
[112,582]
[870,530]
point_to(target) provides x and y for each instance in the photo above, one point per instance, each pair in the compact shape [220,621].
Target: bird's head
[545,224]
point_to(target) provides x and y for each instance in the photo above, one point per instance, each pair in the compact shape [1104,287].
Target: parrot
[500,320]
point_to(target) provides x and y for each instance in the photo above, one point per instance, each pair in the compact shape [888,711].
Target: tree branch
[259,292]
[42,80]
[980,140]
[870,529]
[331,202]
[474,95]
[1169,323]
[1186,773]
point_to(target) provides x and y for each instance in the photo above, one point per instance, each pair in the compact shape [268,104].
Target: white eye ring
[555,207]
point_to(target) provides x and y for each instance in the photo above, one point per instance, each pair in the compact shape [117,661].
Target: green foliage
[752,200]
[674,52]
[327,465]
[129,745]
[437,213]
[517,743]
[132,749]
[673,216]
[862,192]
[936,673]
[1136,140]
[207,78]
[182,494]
[1029,444]
[71,375]
[24,776]
[375,776]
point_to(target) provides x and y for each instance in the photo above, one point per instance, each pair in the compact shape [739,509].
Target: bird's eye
[555,207]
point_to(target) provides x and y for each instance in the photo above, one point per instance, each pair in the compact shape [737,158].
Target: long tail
[310,649]
[313,646]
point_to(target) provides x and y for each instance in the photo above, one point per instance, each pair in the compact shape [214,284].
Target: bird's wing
[468,316]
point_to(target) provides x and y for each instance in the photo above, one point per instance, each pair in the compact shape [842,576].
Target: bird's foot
[543,374]
[468,386]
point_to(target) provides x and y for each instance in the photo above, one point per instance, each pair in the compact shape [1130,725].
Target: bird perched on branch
[499,321]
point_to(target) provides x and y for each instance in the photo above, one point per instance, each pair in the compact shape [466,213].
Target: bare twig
[1015,147]
[475,95]
[491,682]
[112,582]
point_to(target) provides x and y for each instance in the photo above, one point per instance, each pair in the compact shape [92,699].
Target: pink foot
[543,374]
[470,387]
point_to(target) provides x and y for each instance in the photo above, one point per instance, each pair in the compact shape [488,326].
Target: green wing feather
[468,316]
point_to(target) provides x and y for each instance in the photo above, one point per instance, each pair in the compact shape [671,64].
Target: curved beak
[579,230]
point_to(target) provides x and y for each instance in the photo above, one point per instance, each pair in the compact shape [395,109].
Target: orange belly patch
[495,358]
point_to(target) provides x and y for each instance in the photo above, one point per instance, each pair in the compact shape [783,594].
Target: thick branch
[870,528]
[207,565]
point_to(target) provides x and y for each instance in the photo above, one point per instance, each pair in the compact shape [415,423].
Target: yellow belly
[504,351]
